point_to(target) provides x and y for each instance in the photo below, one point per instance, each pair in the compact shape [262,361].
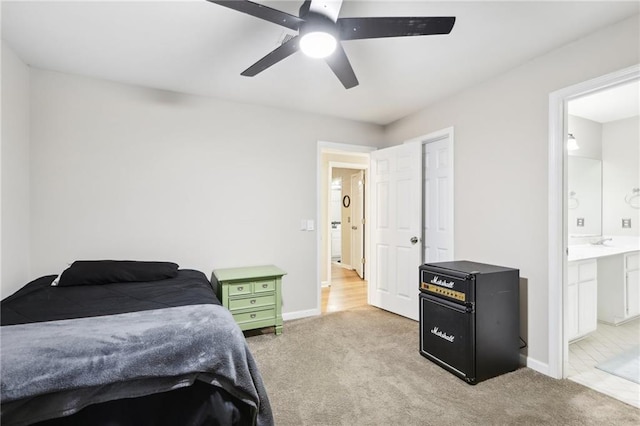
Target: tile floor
[601,345]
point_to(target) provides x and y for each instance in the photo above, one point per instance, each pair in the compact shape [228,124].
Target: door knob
[414,240]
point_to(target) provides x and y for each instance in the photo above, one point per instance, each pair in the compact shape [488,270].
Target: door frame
[332,148]
[558,345]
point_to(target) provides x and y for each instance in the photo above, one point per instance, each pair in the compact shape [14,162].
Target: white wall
[15,173]
[130,173]
[501,160]
[621,173]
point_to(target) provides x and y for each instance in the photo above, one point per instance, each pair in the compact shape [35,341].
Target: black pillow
[92,272]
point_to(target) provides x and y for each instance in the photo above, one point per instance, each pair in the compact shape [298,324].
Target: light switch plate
[580,221]
[626,223]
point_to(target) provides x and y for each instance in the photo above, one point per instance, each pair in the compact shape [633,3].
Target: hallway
[347,291]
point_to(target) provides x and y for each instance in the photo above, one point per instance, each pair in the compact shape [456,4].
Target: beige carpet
[362,367]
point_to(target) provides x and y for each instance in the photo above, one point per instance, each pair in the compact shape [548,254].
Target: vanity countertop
[617,245]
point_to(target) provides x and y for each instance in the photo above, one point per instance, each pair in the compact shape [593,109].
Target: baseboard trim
[534,364]
[288,316]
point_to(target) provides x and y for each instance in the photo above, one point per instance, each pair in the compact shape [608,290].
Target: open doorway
[591,248]
[432,219]
[603,307]
[347,287]
[346,218]
[342,218]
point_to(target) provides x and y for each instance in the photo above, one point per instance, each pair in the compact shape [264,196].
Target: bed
[125,343]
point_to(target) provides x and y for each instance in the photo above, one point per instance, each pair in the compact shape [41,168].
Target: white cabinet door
[582,299]
[572,311]
[632,284]
[633,293]
[588,307]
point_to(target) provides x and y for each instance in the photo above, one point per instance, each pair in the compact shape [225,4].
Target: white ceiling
[196,47]
[607,105]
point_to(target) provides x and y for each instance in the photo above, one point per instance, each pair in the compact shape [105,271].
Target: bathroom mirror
[585,197]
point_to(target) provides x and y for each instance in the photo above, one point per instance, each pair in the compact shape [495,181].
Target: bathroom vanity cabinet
[619,287]
[582,294]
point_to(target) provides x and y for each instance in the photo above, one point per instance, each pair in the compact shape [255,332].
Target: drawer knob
[240,288]
[253,301]
[253,315]
[265,285]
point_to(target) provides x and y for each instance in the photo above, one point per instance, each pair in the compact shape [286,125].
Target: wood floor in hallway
[347,291]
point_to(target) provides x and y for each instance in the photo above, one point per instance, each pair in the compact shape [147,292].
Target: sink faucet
[601,241]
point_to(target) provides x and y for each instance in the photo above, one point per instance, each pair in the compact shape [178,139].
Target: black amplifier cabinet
[470,318]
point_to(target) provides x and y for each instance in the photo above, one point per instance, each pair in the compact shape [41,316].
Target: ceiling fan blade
[339,64]
[276,55]
[263,12]
[361,28]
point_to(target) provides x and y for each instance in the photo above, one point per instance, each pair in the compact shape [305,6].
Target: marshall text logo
[445,336]
[436,280]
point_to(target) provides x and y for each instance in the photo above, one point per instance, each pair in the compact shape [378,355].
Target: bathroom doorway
[579,321]
[602,321]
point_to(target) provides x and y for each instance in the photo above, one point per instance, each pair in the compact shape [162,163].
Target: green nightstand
[253,295]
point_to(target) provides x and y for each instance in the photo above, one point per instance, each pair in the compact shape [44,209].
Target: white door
[438,201]
[357,222]
[396,221]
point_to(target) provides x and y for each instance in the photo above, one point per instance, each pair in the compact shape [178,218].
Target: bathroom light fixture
[572,143]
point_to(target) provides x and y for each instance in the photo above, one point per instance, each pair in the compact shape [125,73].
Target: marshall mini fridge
[469,318]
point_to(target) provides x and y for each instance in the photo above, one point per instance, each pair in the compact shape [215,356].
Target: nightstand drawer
[264,286]
[252,302]
[240,289]
[255,316]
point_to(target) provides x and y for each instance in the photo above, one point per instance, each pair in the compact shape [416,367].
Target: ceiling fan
[320,32]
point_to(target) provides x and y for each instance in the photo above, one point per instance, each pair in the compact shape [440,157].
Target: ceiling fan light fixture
[320,30]
[318,44]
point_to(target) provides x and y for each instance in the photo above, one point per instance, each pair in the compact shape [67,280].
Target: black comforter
[39,301]
[209,400]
